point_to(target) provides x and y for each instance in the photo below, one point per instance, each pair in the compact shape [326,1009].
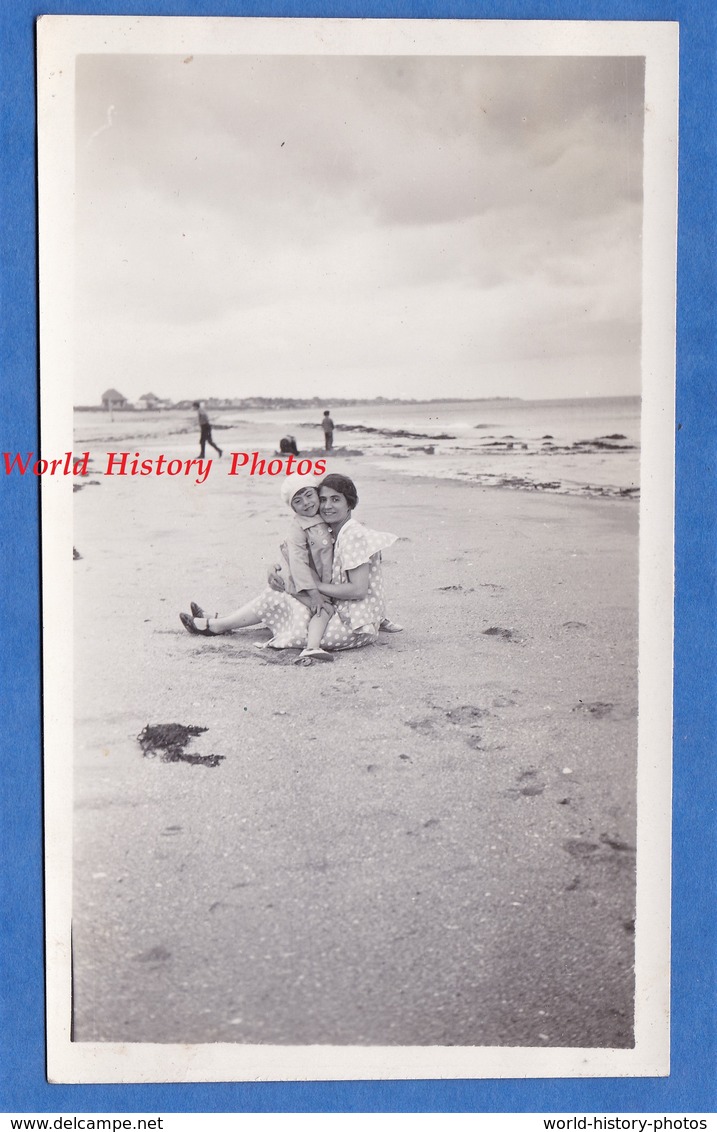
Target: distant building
[114,400]
[150,401]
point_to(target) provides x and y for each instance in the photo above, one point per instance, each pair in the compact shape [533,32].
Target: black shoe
[189,625]
[197,610]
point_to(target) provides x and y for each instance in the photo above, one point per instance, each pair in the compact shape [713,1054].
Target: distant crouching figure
[287,446]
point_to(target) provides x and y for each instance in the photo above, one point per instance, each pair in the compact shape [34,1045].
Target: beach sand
[429,841]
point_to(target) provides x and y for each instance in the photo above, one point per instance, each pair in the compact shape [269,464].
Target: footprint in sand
[498,631]
[597,710]
[463,719]
[278,656]
[504,701]
[616,844]
[430,824]
[157,954]
[423,726]
[477,743]
[467,713]
[532,789]
[530,784]
[464,714]
[597,853]
[581,849]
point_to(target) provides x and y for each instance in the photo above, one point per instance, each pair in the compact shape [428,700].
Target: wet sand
[429,841]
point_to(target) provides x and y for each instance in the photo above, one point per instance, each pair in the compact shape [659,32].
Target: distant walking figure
[328,426]
[205,431]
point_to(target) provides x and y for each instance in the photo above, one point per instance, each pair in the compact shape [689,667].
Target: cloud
[303,216]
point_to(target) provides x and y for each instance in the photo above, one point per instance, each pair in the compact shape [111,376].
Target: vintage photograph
[347,403]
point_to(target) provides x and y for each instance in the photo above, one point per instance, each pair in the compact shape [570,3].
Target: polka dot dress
[355,545]
[287,618]
[355,623]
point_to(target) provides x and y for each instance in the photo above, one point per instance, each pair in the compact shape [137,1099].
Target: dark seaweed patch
[394,433]
[168,740]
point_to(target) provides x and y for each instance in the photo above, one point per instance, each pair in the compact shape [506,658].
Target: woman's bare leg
[241,618]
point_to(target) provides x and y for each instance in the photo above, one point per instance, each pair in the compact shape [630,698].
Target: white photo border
[60,40]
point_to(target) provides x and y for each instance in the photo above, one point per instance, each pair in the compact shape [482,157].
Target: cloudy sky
[338,226]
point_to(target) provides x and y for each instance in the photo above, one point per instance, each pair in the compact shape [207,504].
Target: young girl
[308,551]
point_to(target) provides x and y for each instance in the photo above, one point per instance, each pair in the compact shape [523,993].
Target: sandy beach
[429,841]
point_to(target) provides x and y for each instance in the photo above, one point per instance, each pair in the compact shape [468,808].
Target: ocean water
[588,447]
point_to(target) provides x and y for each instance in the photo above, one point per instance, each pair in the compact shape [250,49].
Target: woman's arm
[353,590]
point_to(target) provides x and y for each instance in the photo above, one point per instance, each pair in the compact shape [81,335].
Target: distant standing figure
[205,431]
[328,426]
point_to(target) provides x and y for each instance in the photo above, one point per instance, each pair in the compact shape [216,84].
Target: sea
[587,447]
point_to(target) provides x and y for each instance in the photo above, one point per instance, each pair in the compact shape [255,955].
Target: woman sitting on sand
[356,588]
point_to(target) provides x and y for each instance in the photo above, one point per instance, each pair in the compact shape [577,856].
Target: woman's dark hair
[344,485]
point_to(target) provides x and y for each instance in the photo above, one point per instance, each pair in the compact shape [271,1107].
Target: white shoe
[314,654]
[388,626]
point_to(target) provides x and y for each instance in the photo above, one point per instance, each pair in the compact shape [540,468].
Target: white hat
[290,486]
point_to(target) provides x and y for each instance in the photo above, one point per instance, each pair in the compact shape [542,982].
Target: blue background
[692,1084]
